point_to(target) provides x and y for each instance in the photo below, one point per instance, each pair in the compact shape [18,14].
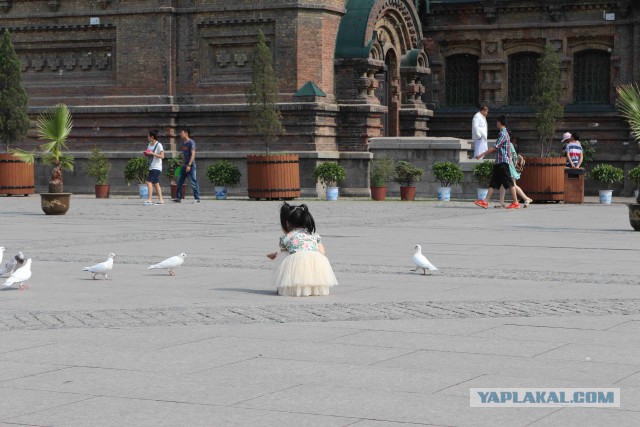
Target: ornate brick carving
[5,5]
[54,5]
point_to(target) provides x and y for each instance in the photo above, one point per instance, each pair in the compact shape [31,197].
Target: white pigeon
[170,263]
[422,262]
[102,268]
[20,276]
[1,253]
[13,264]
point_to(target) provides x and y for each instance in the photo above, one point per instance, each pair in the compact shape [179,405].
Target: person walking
[188,167]
[501,176]
[155,154]
[479,131]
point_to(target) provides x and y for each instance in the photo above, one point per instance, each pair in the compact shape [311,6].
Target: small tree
[546,99]
[262,95]
[14,120]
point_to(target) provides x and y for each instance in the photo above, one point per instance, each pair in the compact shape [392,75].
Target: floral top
[300,240]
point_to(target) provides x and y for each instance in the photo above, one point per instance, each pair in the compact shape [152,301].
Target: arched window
[522,76]
[591,77]
[461,80]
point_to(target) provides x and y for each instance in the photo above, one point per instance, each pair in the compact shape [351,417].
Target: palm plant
[629,106]
[54,127]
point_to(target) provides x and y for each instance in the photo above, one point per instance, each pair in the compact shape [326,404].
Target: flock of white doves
[20,270]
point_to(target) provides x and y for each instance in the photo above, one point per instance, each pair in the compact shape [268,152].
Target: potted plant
[16,177]
[330,175]
[447,174]
[268,176]
[629,106]
[406,174]
[634,177]
[136,170]
[606,175]
[482,174]
[222,174]
[98,168]
[53,126]
[544,176]
[172,172]
[381,172]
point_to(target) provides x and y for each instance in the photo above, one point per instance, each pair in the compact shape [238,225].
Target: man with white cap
[479,131]
[573,150]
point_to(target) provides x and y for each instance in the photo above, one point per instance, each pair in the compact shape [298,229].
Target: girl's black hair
[154,133]
[285,210]
[575,136]
[300,217]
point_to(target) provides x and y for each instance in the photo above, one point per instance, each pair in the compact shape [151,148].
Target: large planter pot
[407,193]
[482,193]
[378,193]
[143,191]
[332,193]
[174,190]
[221,192]
[444,194]
[634,215]
[16,177]
[102,191]
[543,178]
[605,196]
[273,177]
[55,203]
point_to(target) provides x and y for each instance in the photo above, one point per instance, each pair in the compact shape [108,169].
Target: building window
[591,77]
[522,76]
[461,80]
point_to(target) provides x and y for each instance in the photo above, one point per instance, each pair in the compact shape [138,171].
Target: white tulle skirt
[305,274]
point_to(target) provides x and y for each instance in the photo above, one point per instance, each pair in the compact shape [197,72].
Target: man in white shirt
[479,131]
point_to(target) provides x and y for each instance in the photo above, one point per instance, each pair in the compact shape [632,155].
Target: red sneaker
[482,204]
[514,206]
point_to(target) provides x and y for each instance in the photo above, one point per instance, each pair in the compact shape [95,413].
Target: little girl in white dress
[305,271]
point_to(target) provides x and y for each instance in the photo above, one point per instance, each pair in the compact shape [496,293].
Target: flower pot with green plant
[380,173]
[330,175]
[221,174]
[136,170]
[406,174]
[628,104]
[54,127]
[634,177]
[482,174]
[98,168]
[447,174]
[172,171]
[605,176]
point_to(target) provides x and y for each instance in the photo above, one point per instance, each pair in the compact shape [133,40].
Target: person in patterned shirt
[501,176]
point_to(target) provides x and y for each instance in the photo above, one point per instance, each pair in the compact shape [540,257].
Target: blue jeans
[194,182]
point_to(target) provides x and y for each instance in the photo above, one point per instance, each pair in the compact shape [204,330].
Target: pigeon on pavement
[20,276]
[102,268]
[170,263]
[422,262]
[13,264]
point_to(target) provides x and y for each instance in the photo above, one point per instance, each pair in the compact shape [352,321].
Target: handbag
[519,163]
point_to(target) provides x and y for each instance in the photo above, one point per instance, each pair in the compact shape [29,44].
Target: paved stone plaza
[540,297]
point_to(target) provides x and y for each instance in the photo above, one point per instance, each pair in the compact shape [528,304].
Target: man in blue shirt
[188,167]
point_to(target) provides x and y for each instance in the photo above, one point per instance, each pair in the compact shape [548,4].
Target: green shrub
[482,173]
[223,173]
[329,174]
[406,174]
[98,167]
[172,166]
[136,170]
[606,175]
[634,176]
[448,174]
[381,171]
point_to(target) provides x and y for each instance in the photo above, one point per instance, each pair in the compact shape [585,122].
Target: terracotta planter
[407,193]
[273,177]
[16,177]
[543,179]
[55,203]
[634,215]
[174,190]
[378,193]
[102,191]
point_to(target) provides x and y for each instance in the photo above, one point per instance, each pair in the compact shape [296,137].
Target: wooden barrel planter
[16,177]
[543,178]
[273,177]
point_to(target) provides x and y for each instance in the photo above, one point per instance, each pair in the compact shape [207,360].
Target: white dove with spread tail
[422,262]
[103,268]
[13,264]
[170,263]
[20,276]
